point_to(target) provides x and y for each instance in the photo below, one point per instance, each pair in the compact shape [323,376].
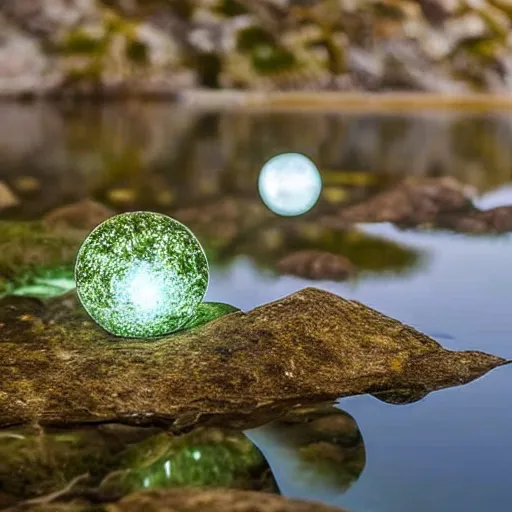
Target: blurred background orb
[290,184]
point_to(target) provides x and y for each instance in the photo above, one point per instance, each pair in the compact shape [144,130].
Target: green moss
[79,42]
[251,37]
[231,8]
[137,51]
[26,246]
[269,59]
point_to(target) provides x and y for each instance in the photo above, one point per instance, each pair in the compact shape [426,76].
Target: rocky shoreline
[163,48]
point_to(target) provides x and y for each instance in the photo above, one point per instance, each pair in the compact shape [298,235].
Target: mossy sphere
[141,274]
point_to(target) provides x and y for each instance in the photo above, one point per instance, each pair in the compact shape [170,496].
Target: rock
[61,369]
[188,500]
[316,265]
[221,500]
[496,220]
[79,47]
[413,202]
[7,197]
[26,246]
[84,215]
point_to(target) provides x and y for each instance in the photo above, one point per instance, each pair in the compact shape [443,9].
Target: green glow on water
[141,274]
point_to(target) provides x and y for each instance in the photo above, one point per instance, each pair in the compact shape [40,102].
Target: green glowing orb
[141,274]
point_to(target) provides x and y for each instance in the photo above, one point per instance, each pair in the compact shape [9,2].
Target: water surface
[452,451]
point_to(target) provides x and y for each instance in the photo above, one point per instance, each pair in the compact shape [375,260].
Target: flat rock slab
[58,368]
[189,500]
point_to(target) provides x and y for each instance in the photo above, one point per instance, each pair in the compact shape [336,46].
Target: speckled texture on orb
[141,274]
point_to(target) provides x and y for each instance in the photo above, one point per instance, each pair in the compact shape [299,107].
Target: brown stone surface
[60,368]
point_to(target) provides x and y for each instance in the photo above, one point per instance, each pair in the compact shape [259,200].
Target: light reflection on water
[451,451]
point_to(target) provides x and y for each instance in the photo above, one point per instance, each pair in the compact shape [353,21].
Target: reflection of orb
[290,184]
[141,274]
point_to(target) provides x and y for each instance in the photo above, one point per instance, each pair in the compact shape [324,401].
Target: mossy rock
[239,370]
[36,259]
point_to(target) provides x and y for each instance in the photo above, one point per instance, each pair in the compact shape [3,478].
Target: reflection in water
[148,156]
[321,446]
[205,457]
[290,184]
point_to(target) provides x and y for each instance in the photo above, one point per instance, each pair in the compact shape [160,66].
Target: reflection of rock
[366,252]
[309,346]
[35,463]
[114,460]
[316,265]
[320,445]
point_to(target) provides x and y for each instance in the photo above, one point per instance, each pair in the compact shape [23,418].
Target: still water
[452,451]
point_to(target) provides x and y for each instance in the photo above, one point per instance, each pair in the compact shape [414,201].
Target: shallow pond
[451,451]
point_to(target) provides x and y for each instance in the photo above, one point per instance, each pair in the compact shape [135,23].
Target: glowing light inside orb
[141,274]
[290,184]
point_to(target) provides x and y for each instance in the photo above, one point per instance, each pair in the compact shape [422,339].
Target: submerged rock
[240,370]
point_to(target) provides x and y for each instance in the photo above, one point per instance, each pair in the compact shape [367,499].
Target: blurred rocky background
[163,47]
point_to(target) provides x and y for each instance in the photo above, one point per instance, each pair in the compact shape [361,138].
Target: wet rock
[7,197]
[316,265]
[496,220]
[413,202]
[84,215]
[312,346]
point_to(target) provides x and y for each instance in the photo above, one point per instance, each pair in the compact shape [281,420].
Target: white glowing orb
[290,184]
[145,288]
